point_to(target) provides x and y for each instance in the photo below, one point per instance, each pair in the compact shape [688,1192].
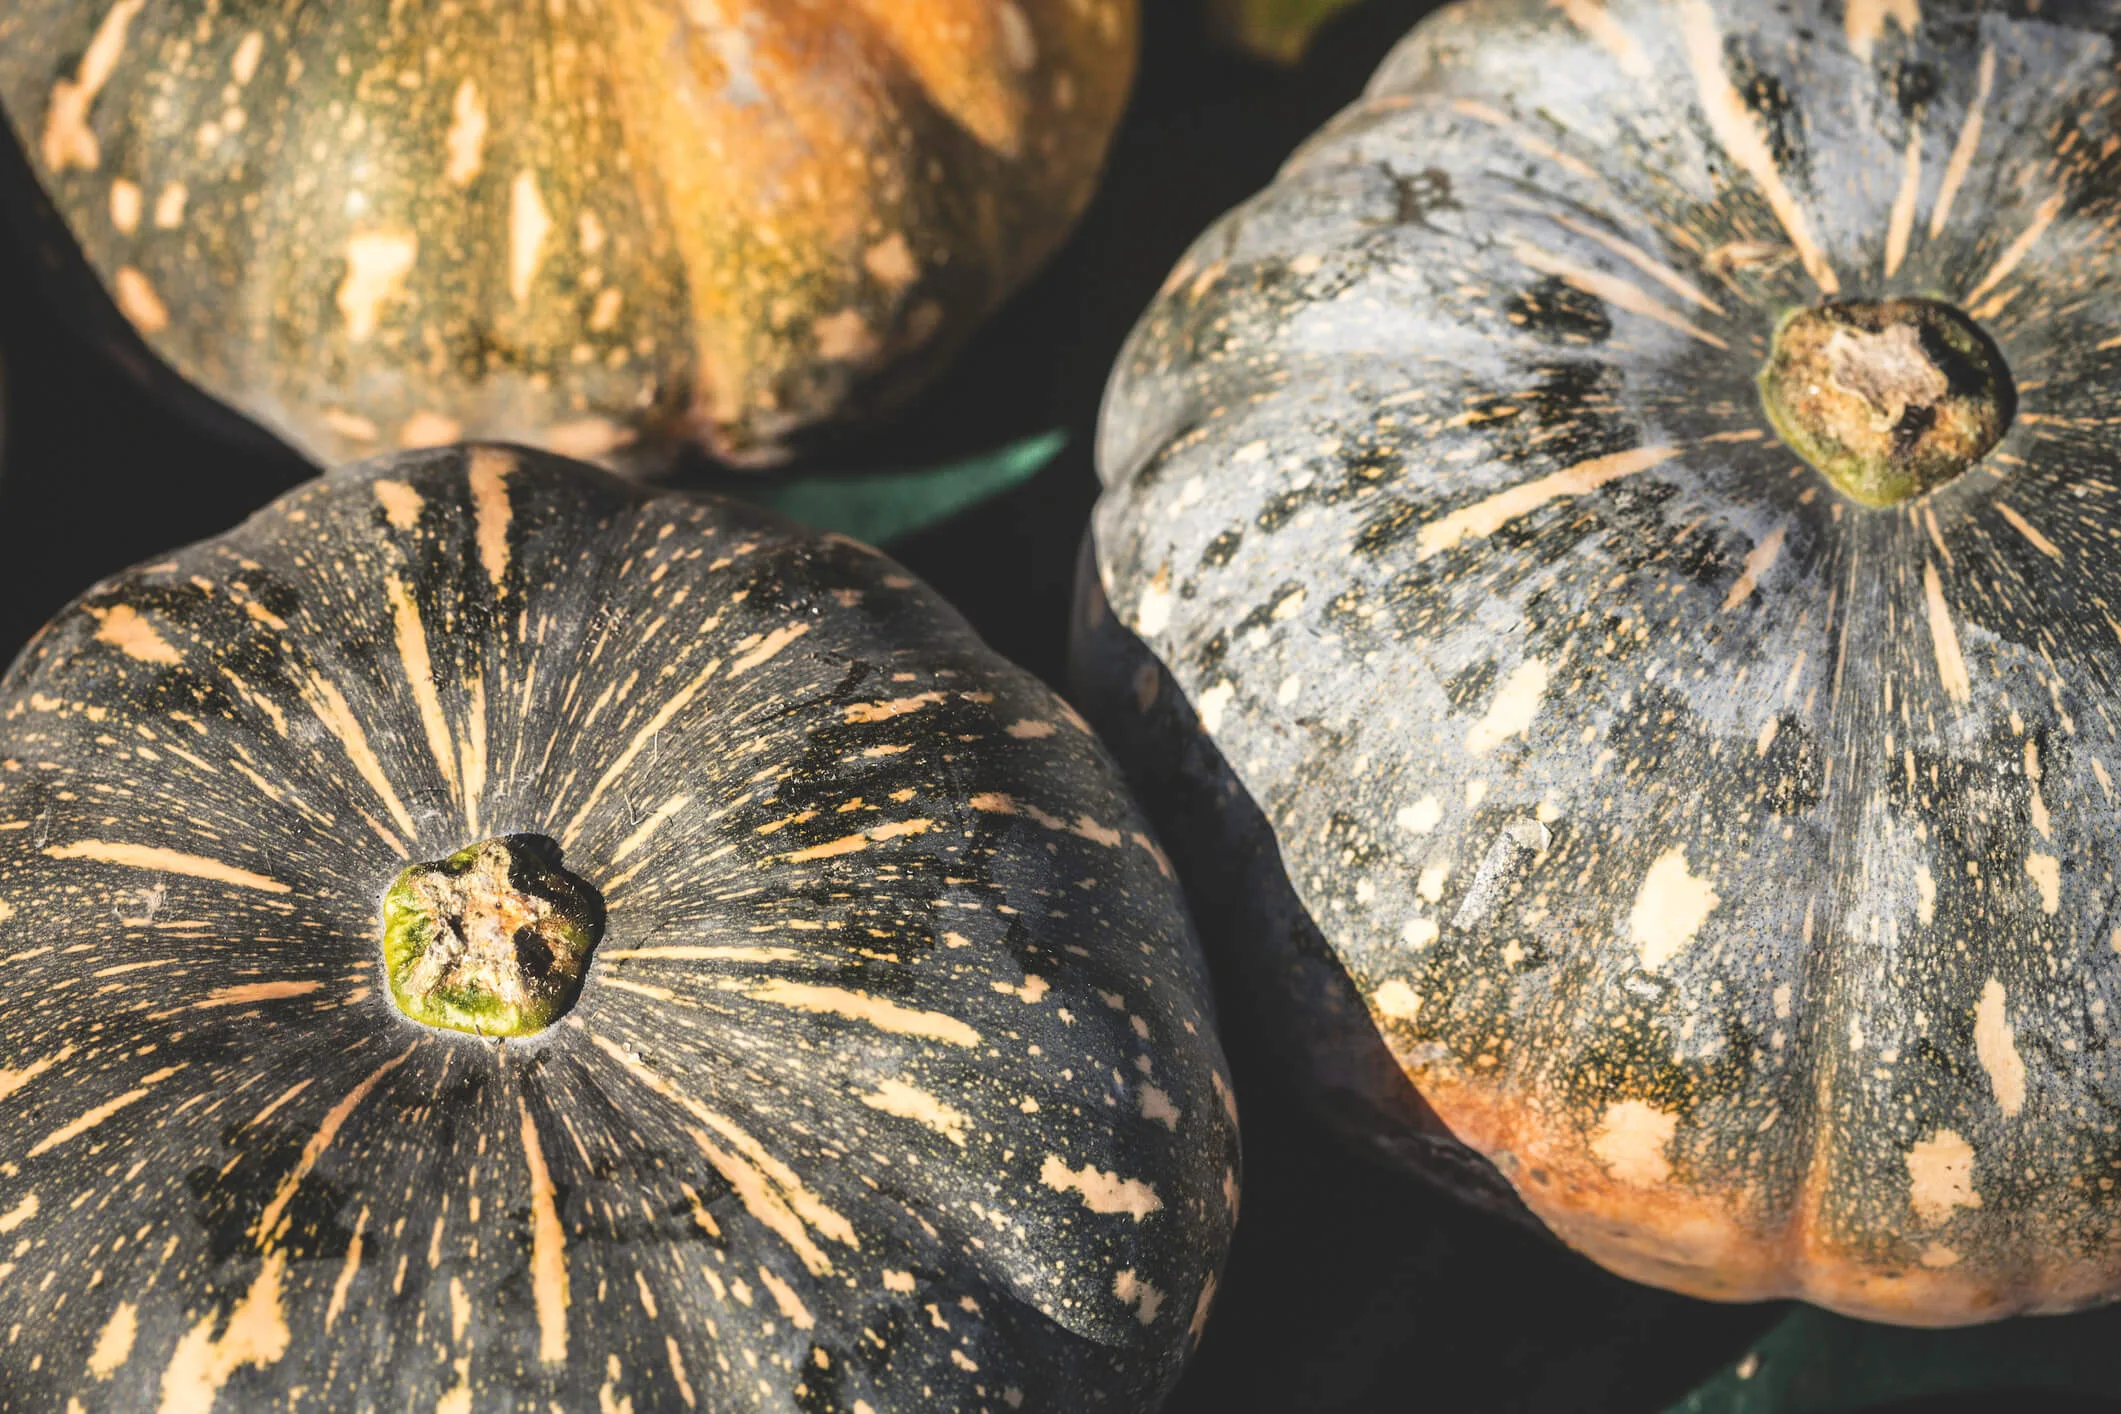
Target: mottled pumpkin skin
[604,229]
[1730,864]
[892,1085]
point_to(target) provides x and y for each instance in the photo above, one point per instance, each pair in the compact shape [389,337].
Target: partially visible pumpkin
[1719,845]
[604,229]
[883,1075]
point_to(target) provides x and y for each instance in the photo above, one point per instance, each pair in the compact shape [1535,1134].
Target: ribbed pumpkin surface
[892,1085]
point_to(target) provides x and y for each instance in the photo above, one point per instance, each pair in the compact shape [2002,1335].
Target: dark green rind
[1379,343]
[220,1136]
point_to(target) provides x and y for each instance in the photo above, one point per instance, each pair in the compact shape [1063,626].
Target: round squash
[605,230]
[1634,510]
[479,935]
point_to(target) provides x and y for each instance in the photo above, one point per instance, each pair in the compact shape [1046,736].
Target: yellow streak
[1756,564]
[123,628]
[1487,516]
[268,1226]
[1951,667]
[86,1122]
[649,826]
[1865,21]
[692,953]
[247,992]
[169,861]
[1612,290]
[548,1248]
[1642,260]
[773,643]
[1902,224]
[411,637]
[768,1188]
[329,706]
[2024,527]
[1740,135]
[1962,158]
[678,702]
[1604,31]
[860,1006]
[491,510]
[2016,251]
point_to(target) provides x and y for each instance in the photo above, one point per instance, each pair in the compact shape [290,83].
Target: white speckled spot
[1511,713]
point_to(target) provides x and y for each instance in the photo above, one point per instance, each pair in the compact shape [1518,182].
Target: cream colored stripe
[768,1188]
[548,1248]
[649,826]
[773,643]
[491,510]
[860,1006]
[1590,16]
[1962,158]
[420,675]
[266,1230]
[1487,516]
[678,702]
[2017,250]
[1642,260]
[695,953]
[169,861]
[1740,135]
[1496,118]
[1951,667]
[1865,21]
[86,1122]
[1612,289]
[2025,528]
[1902,224]
[329,706]
[1756,564]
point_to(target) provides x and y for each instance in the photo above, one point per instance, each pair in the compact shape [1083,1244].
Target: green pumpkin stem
[1889,399]
[494,940]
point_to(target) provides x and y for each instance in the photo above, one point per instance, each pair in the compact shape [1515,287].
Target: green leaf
[1272,29]
[1815,1362]
[881,507]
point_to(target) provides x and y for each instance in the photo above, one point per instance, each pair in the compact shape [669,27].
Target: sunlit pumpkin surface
[601,228]
[891,1082]
[1729,861]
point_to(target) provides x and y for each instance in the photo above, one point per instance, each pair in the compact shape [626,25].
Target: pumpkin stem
[1888,398]
[493,940]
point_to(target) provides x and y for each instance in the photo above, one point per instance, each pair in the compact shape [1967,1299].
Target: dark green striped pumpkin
[1621,539]
[890,1084]
[606,229]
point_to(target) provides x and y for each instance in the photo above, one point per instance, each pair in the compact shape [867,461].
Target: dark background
[1350,1289]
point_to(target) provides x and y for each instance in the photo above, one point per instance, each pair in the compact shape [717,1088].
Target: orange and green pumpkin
[1621,543]
[481,935]
[604,229]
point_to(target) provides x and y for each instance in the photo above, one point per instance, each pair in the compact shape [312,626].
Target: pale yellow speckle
[1399,1001]
[377,263]
[890,261]
[115,1345]
[2045,870]
[1512,711]
[1997,1047]
[529,222]
[138,302]
[125,202]
[1632,1142]
[1431,881]
[1420,817]
[467,136]
[1670,908]
[1940,1173]
[169,206]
